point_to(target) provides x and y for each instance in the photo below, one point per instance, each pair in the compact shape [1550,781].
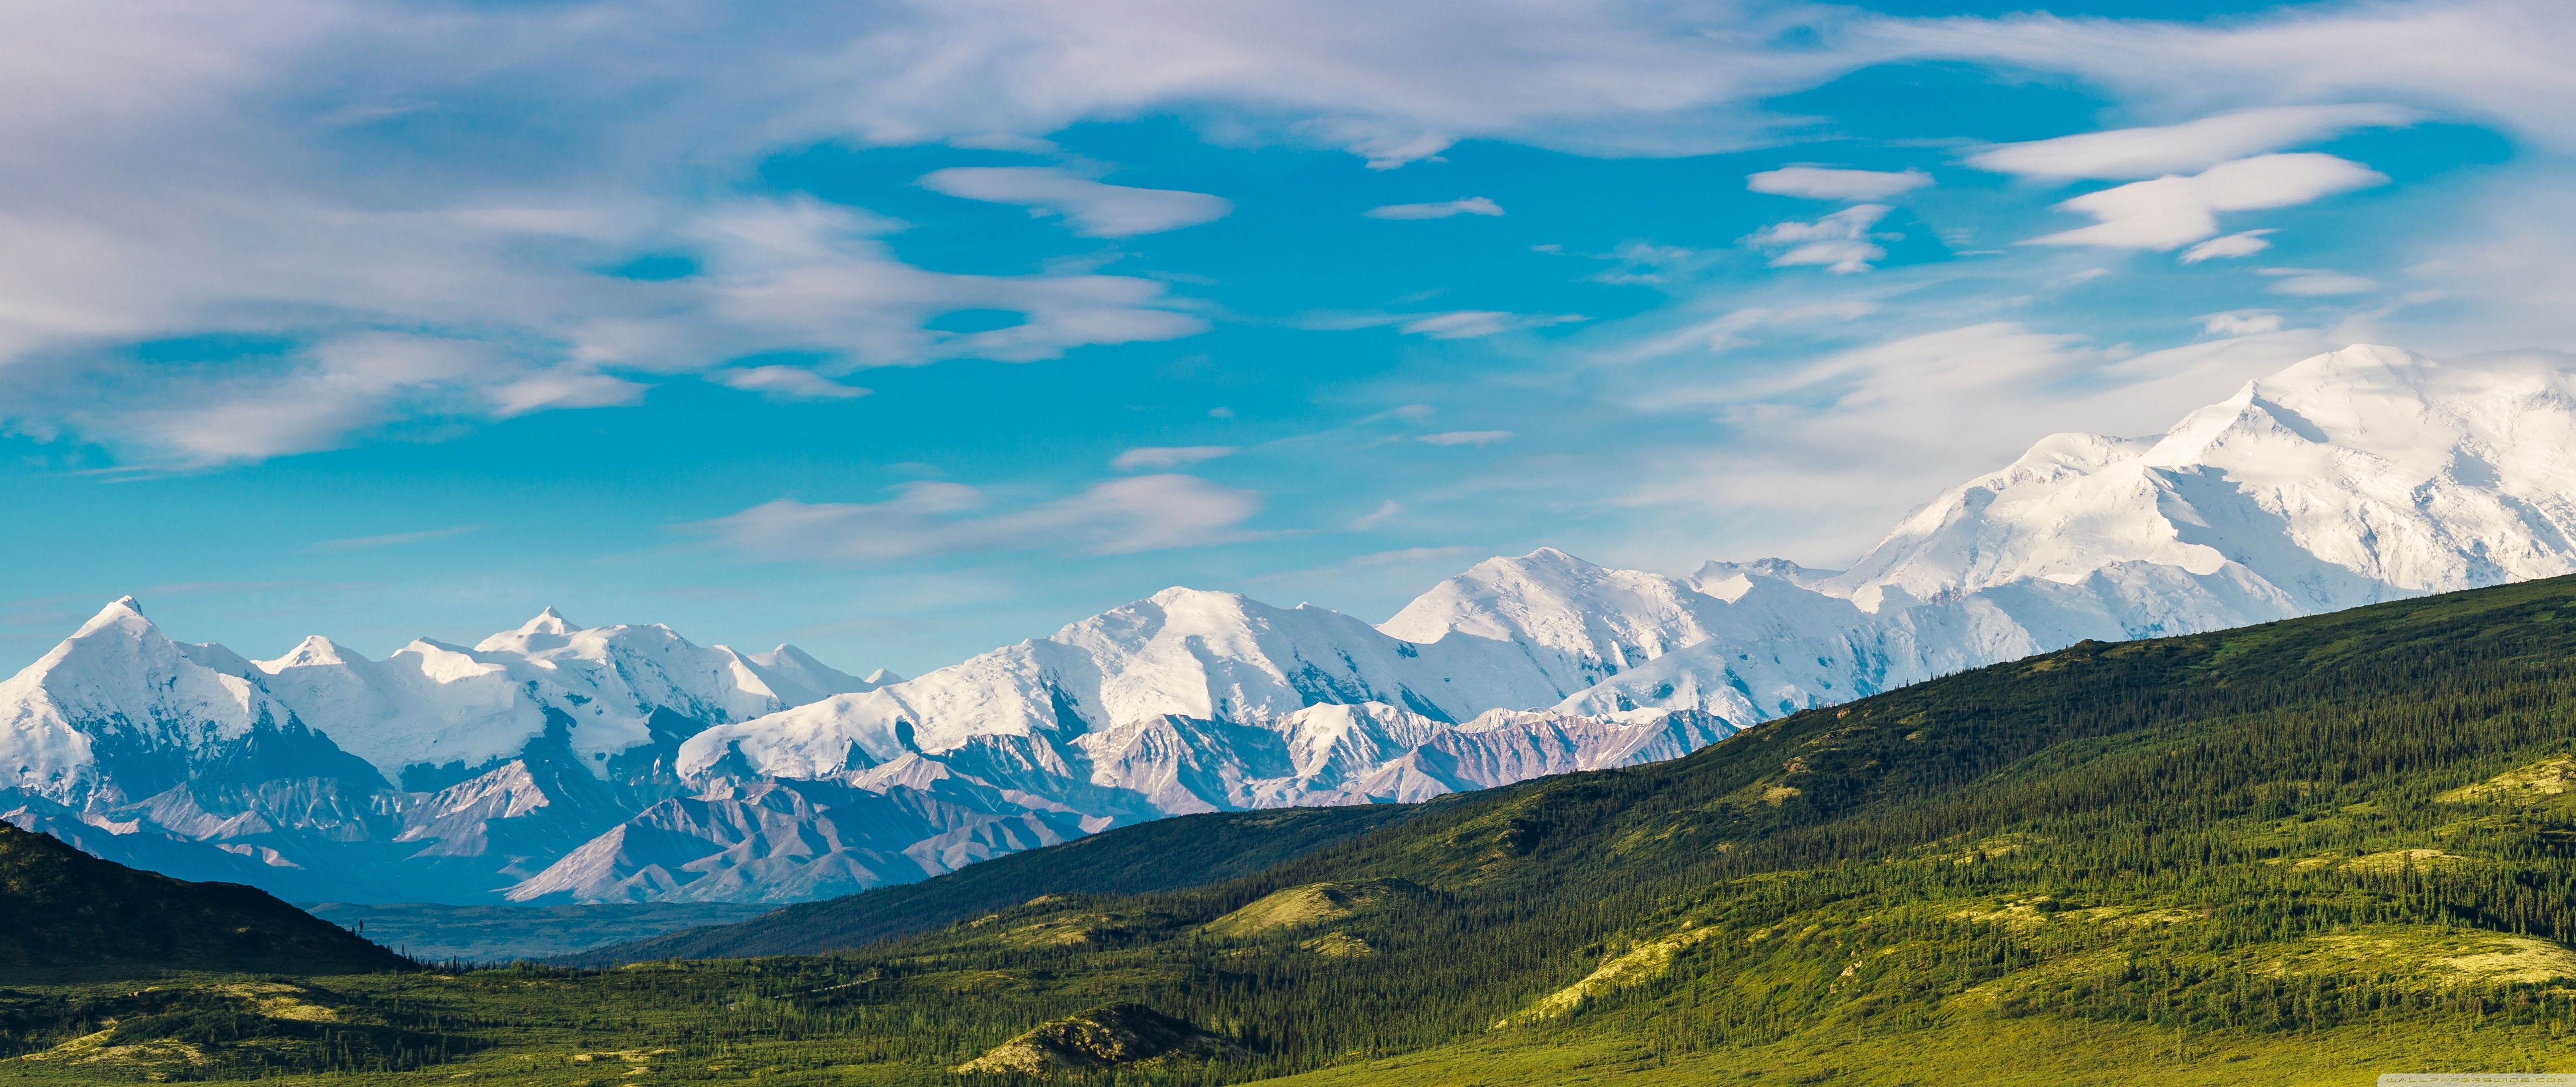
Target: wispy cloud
[1476,324]
[392,539]
[1466,437]
[786,383]
[1165,457]
[1095,209]
[2241,244]
[2317,282]
[1731,329]
[1120,516]
[1822,183]
[2241,323]
[1473,205]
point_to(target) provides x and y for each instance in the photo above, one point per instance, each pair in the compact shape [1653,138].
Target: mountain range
[557,763]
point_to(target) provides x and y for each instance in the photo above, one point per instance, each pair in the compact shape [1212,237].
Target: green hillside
[1188,851]
[66,915]
[2310,852]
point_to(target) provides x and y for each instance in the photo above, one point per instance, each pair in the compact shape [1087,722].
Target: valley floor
[553,1032]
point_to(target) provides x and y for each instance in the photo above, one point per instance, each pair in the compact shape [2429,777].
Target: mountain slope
[2358,817]
[67,915]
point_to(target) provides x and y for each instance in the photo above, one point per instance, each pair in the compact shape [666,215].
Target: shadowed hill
[1166,854]
[66,915]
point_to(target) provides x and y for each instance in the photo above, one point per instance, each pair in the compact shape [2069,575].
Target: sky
[900,331]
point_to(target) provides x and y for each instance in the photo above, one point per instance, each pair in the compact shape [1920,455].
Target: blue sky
[902,331]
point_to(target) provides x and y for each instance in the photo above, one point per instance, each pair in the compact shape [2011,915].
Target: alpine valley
[556,763]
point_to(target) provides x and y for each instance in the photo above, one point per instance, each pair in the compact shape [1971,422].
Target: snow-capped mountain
[2353,477]
[555,762]
[189,758]
[433,713]
[118,712]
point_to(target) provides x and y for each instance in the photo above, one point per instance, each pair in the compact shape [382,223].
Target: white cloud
[2317,282]
[1476,324]
[1466,437]
[272,169]
[1121,516]
[2125,153]
[1473,205]
[2171,212]
[1168,456]
[786,383]
[2502,61]
[1095,209]
[1840,242]
[2242,244]
[1820,183]
[1385,511]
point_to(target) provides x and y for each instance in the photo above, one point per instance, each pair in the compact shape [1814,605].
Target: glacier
[557,763]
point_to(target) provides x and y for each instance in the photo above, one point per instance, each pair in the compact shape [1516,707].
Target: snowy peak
[119,692]
[1579,622]
[549,630]
[796,678]
[315,650]
[124,612]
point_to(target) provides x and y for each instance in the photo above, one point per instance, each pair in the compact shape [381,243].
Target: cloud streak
[1473,205]
[393,539]
[1094,209]
[1120,516]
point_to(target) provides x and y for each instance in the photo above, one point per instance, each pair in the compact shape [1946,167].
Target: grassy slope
[66,915]
[2257,855]
[1189,851]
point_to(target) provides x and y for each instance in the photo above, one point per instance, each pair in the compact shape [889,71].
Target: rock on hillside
[1113,1036]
